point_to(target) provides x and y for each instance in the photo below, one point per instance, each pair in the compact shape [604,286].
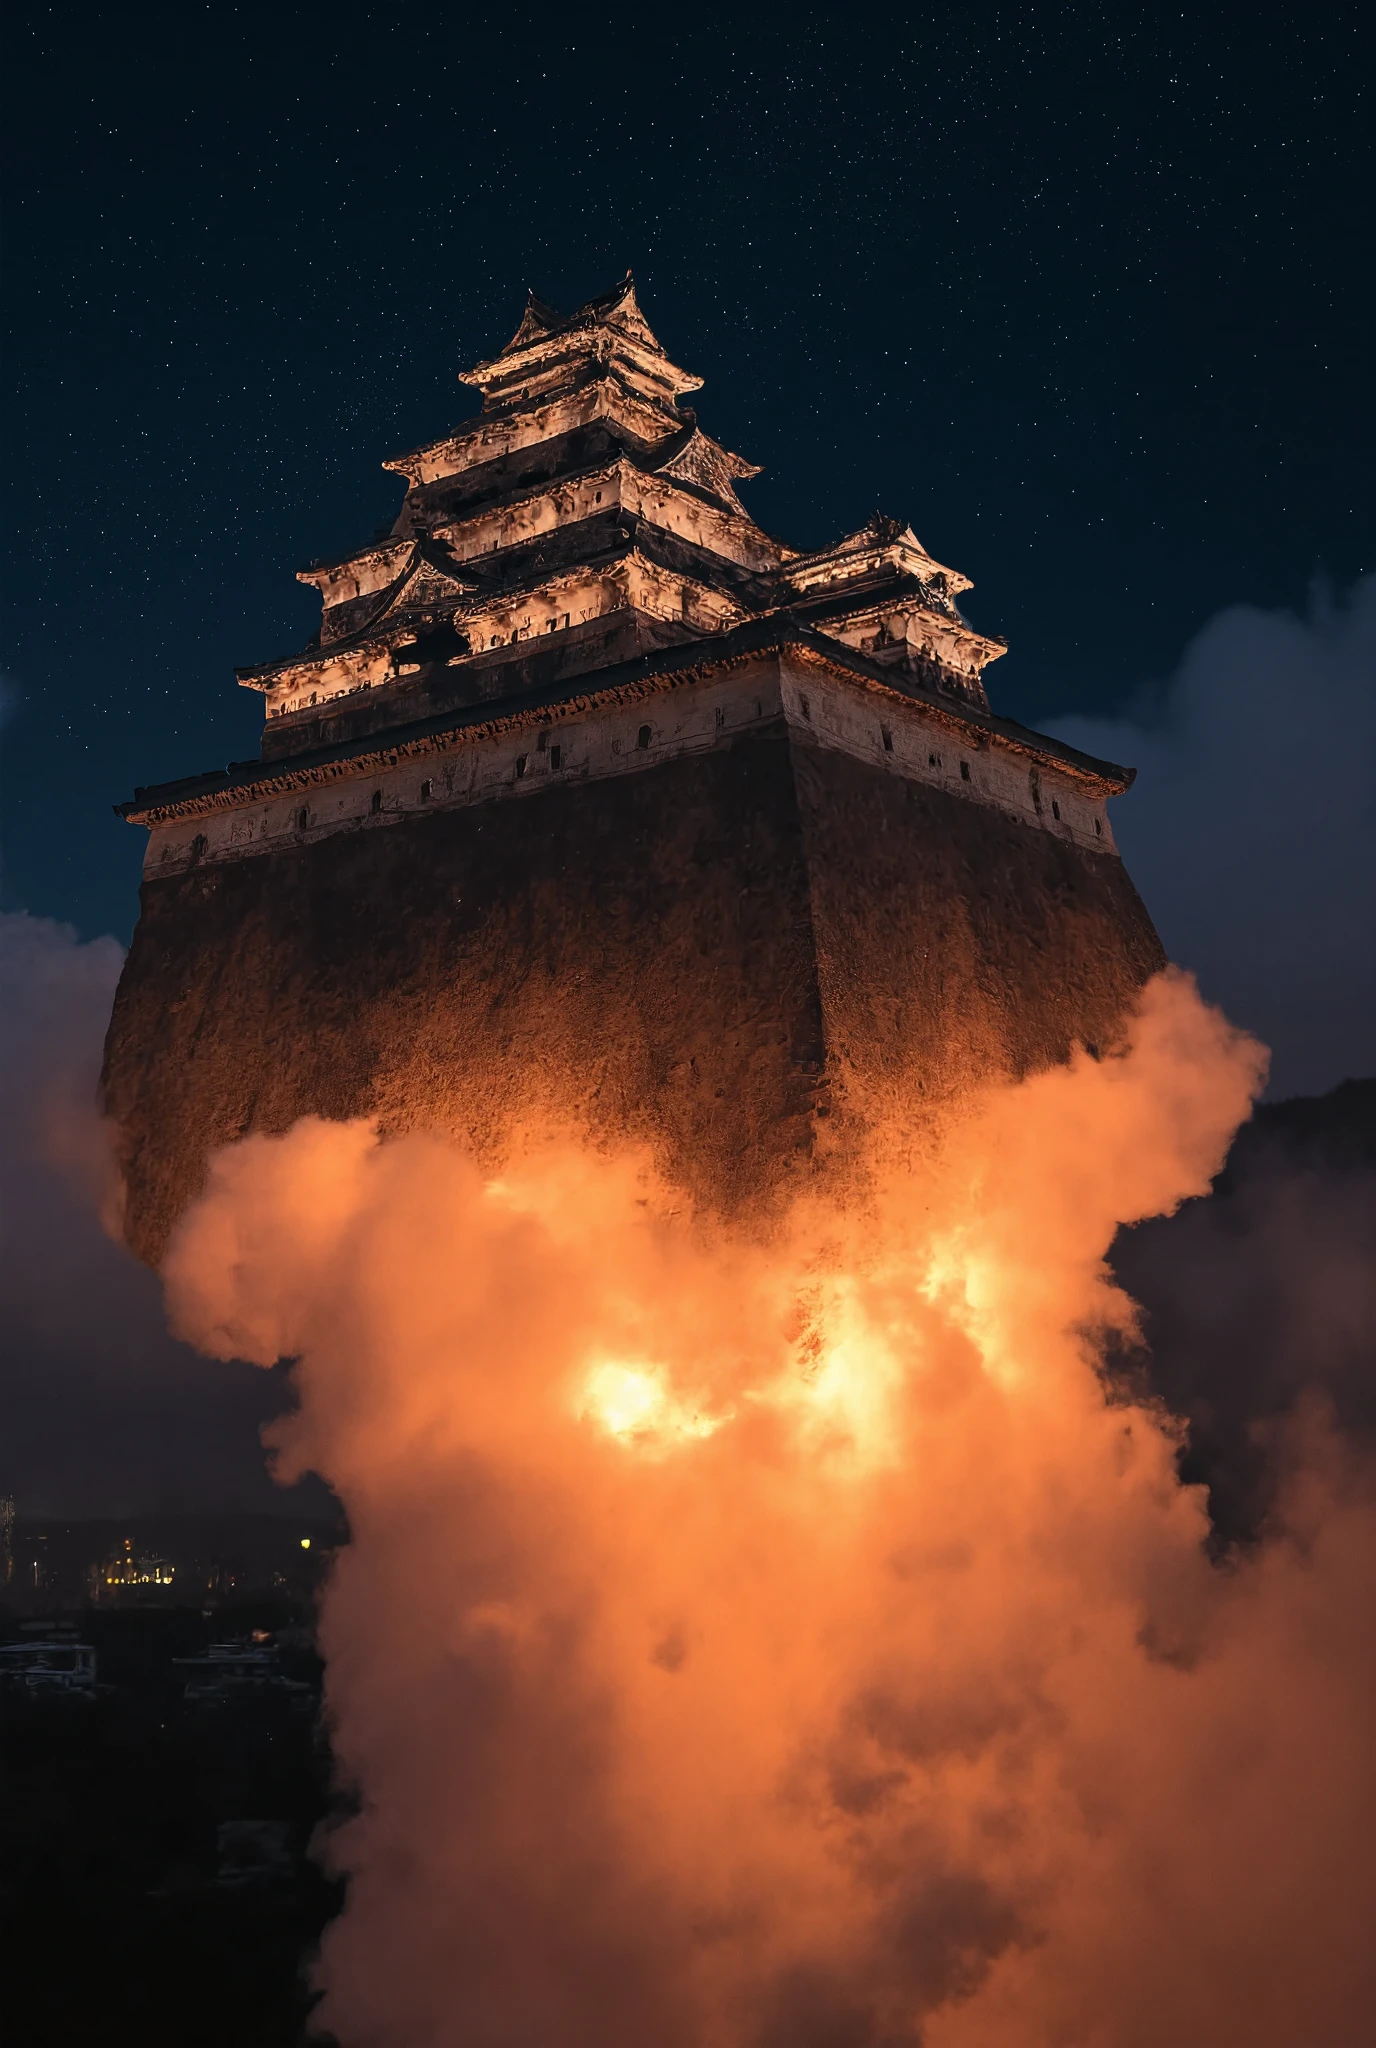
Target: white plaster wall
[922,747]
[368,571]
[619,484]
[500,436]
[568,600]
[479,767]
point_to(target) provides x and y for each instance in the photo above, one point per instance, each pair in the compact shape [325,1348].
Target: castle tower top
[593,801]
[581,519]
[549,351]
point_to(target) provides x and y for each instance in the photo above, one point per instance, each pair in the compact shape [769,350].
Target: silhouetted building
[130,1577]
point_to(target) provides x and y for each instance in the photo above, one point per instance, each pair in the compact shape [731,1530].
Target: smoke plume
[1251,829]
[799,1643]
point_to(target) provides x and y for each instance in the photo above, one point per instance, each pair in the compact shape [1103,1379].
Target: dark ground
[118,1928]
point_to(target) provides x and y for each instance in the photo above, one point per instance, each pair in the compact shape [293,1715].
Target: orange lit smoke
[791,1645]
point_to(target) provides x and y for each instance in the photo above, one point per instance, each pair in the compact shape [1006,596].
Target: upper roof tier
[549,349]
[557,374]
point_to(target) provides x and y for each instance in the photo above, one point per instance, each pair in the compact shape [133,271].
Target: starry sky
[1084,292]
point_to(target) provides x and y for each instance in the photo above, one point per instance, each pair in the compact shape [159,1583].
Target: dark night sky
[1085,292]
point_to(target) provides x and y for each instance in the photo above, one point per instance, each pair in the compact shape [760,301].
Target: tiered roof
[580,519]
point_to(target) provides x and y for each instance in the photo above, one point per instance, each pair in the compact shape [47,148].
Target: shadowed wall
[954,943]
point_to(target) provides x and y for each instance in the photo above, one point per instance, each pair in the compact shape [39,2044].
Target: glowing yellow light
[632,1403]
[305,1542]
[623,1399]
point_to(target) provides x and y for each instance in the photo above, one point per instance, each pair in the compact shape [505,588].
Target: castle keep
[593,801]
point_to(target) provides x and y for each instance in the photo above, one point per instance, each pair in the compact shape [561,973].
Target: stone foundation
[729,950]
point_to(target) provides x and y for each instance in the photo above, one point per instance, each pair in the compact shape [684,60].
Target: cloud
[1251,830]
[101,1411]
[1261,1300]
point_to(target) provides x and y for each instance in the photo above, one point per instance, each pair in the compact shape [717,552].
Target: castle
[592,801]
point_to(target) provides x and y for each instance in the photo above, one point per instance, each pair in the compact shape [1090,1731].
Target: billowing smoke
[1251,829]
[101,1412]
[800,1643]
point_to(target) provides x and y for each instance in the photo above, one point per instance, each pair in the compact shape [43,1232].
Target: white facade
[511,756]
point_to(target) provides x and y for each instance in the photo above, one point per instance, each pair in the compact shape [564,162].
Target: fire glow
[782,1640]
[633,1404]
